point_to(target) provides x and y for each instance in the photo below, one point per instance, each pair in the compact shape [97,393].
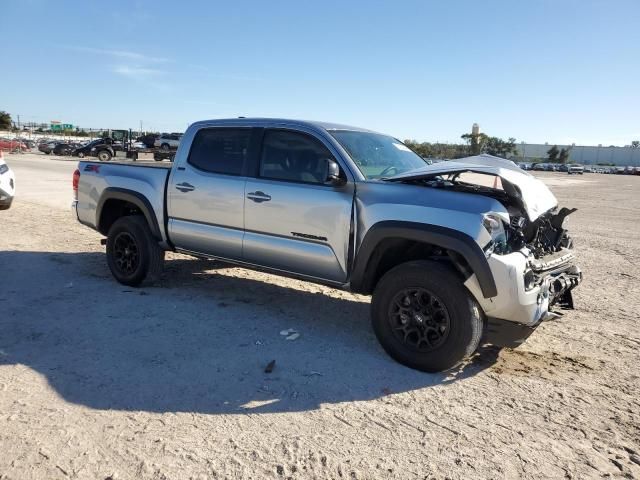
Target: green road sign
[58,127]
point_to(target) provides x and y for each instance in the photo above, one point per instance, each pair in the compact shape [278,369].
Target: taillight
[76,181]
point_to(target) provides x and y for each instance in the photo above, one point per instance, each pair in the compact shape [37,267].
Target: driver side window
[293,157]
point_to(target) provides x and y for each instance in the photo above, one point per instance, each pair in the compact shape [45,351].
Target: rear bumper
[528,305]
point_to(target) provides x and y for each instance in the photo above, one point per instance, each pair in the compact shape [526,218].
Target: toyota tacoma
[452,253]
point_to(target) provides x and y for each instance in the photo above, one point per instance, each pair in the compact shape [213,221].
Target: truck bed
[144,179]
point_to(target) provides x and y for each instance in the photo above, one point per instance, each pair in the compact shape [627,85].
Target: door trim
[270,270]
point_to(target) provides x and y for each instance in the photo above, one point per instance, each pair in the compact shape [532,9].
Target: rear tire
[424,317]
[165,147]
[133,254]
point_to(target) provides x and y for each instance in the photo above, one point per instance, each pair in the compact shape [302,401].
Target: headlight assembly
[495,227]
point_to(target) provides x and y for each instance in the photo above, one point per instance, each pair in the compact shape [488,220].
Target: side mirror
[333,174]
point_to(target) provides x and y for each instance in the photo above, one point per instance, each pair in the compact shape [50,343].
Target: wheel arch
[105,148]
[118,202]
[388,243]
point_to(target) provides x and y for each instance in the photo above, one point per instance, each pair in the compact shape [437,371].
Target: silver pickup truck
[449,252]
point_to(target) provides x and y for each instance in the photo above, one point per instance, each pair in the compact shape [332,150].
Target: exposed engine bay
[535,228]
[551,255]
[545,238]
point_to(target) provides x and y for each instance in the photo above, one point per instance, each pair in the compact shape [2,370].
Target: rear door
[294,220]
[206,193]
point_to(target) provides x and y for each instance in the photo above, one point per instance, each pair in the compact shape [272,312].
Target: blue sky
[561,71]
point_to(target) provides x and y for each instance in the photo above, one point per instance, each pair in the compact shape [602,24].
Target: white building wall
[587,155]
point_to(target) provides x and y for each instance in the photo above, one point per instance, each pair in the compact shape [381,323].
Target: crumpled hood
[532,193]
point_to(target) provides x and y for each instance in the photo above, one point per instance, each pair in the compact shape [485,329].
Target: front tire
[133,254]
[165,147]
[80,154]
[424,317]
[104,155]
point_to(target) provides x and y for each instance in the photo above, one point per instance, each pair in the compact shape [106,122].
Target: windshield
[378,156]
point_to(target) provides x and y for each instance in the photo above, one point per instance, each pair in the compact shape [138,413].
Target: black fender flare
[137,199]
[366,264]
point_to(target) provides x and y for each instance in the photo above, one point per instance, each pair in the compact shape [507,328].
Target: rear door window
[220,150]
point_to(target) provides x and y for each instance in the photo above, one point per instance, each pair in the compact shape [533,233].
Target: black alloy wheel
[126,253]
[424,316]
[419,319]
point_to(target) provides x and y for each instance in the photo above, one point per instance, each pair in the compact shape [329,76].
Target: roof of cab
[258,121]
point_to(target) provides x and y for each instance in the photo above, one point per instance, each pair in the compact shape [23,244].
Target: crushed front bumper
[528,287]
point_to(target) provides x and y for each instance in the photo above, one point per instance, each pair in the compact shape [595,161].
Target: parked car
[13,146]
[168,141]
[149,139]
[563,167]
[353,209]
[106,150]
[525,166]
[539,167]
[7,184]
[93,148]
[63,149]
[47,147]
[575,168]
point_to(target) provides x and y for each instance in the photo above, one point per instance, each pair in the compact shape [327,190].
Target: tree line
[475,144]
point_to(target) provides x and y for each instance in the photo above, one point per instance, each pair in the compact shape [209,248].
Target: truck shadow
[199,341]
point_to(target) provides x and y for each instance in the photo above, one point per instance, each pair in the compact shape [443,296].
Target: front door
[294,220]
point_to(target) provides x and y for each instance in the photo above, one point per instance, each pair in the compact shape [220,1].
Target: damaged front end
[535,274]
[548,248]
[530,252]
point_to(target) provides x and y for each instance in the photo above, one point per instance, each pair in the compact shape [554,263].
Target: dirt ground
[99,381]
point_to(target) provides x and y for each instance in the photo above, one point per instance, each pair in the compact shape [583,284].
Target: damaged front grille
[547,235]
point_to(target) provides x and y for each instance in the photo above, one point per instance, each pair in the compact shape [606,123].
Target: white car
[7,184]
[575,168]
[168,141]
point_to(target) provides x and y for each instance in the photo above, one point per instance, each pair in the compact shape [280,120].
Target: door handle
[185,187]
[258,196]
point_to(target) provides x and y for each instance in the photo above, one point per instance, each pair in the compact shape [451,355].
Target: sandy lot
[167,382]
